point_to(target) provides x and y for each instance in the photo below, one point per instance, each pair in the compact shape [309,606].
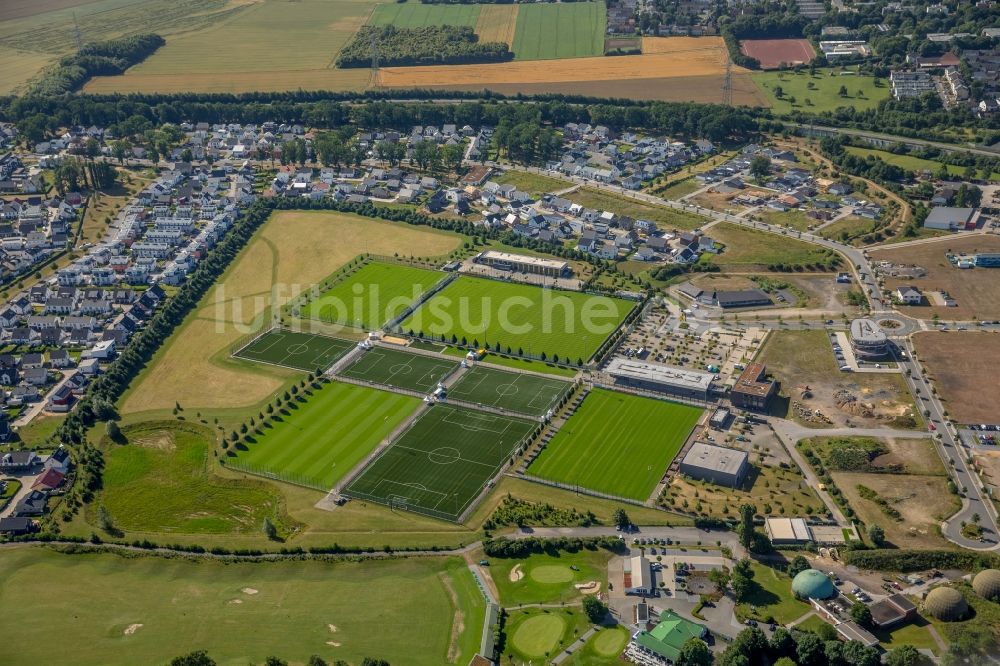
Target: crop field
[802,91]
[159,482]
[246,51]
[326,435]
[497,23]
[974,290]
[148,610]
[617,443]
[371,296]
[665,218]
[961,364]
[417,15]
[300,351]
[402,369]
[442,462]
[772,53]
[568,324]
[560,30]
[292,247]
[516,391]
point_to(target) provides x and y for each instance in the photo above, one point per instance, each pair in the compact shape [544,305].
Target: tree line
[426,45]
[106,58]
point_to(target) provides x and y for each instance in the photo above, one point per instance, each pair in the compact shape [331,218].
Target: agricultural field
[159,480]
[517,391]
[441,463]
[497,23]
[417,15]
[569,325]
[239,54]
[773,53]
[325,436]
[773,490]
[617,443]
[291,248]
[402,369]
[748,249]
[549,578]
[801,359]
[300,351]
[35,34]
[918,164]
[560,30]
[665,218]
[670,68]
[371,296]
[802,91]
[974,290]
[960,365]
[149,610]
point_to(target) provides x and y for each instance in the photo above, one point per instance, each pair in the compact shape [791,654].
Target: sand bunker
[333,643]
[590,587]
[235,601]
[248,590]
[132,628]
[516,574]
[333,628]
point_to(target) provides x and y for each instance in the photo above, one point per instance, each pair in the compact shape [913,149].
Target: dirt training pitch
[772,53]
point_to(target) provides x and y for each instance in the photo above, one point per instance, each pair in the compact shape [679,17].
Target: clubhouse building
[660,378]
[505,261]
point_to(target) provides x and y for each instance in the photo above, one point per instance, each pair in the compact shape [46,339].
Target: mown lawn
[665,218]
[532,183]
[745,247]
[545,578]
[148,610]
[617,443]
[772,597]
[824,95]
[915,164]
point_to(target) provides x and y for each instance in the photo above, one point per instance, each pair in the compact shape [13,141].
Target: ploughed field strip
[300,351]
[401,369]
[515,391]
[439,465]
[617,443]
[371,296]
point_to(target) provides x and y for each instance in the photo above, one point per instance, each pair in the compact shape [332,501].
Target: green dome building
[946,603]
[987,584]
[812,584]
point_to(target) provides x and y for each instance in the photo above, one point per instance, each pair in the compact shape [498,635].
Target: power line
[374,49]
[727,85]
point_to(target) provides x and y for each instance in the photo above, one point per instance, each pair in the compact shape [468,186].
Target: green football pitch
[617,443]
[402,369]
[373,295]
[322,440]
[301,351]
[516,391]
[570,325]
[442,462]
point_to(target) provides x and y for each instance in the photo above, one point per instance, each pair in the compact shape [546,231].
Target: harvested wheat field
[497,23]
[232,82]
[712,48]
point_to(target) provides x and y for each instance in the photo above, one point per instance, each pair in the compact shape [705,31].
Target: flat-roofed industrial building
[519,262]
[715,464]
[661,378]
[787,530]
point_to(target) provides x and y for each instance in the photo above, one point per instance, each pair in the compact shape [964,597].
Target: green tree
[747,512]
[113,431]
[798,565]
[694,652]
[274,661]
[760,167]
[741,580]
[594,608]
[904,655]
[720,578]
[270,531]
[199,658]
[781,645]
[861,614]
[856,653]
[121,149]
[620,519]
[876,534]
[809,650]
[843,91]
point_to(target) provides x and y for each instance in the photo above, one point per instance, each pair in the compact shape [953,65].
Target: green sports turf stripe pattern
[617,443]
[301,351]
[401,369]
[328,435]
[439,465]
[516,391]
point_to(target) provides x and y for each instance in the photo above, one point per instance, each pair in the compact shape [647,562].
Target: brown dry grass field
[962,366]
[988,463]
[232,82]
[292,251]
[497,23]
[923,502]
[15,9]
[975,290]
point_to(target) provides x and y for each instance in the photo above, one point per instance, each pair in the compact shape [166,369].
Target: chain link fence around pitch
[264,472]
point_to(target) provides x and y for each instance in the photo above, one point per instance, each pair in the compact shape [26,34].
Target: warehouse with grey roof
[716,464]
